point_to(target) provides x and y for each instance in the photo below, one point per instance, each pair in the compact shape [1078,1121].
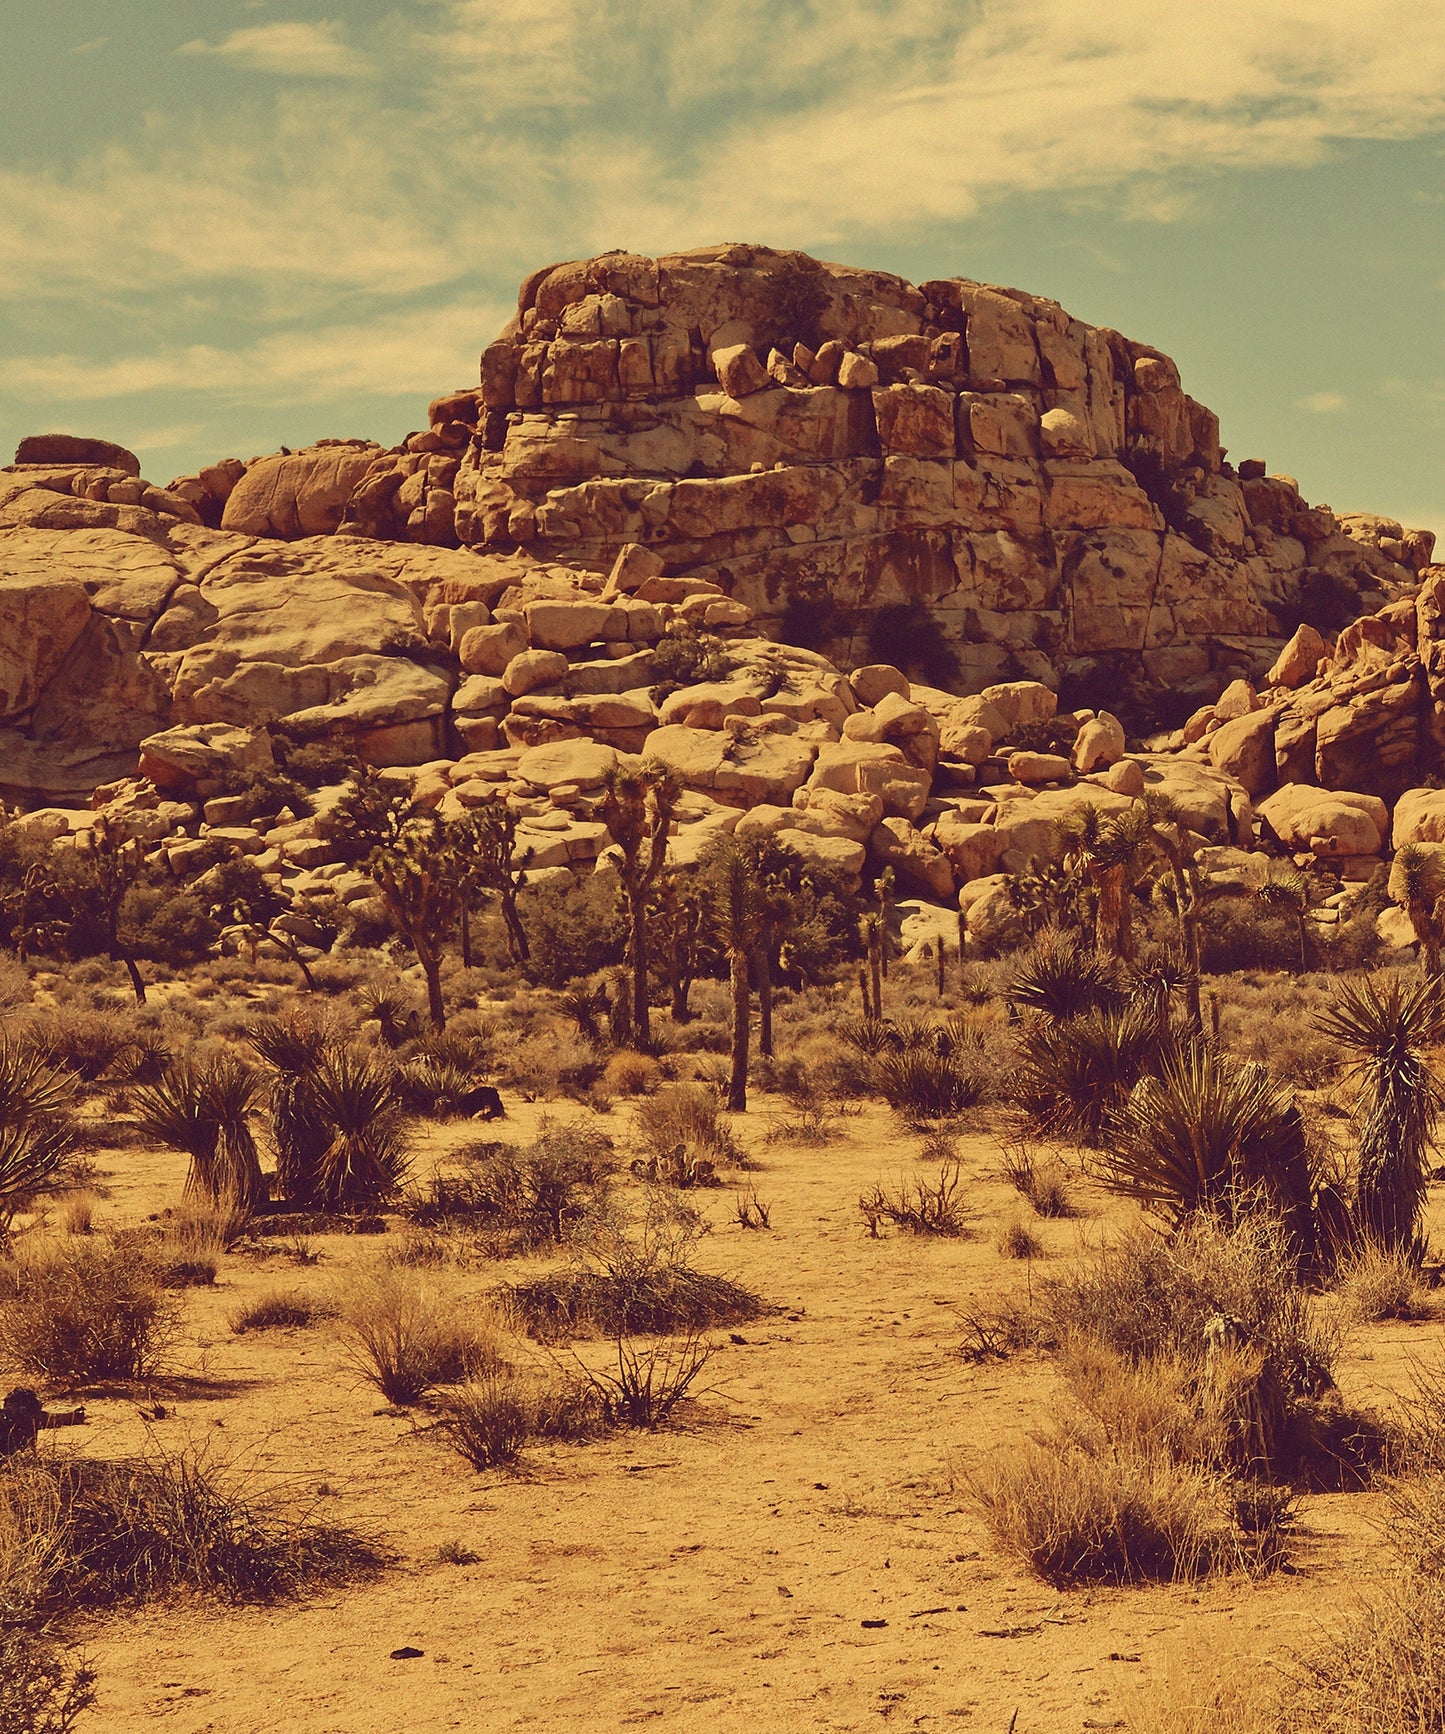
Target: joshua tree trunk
[738,1082]
[942,959]
[763,973]
[637,949]
[138,987]
[868,1011]
[466,926]
[684,945]
[876,970]
[431,965]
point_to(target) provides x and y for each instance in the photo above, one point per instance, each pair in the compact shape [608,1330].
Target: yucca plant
[1290,892]
[1074,1073]
[1417,882]
[1209,1134]
[291,1050]
[207,1111]
[1385,1023]
[365,1159]
[36,1131]
[923,1084]
[1063,978]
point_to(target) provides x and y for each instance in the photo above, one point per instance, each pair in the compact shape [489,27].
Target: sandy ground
[801,1553]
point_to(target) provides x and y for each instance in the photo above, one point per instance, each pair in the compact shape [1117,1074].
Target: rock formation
[689,494]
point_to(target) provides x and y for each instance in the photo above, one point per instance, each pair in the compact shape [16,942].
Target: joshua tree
[870,931]
[1418,881]
[243,897]
[1173,837]
[485,848]
[1289,891]
[1386,1024]
[680,912]
[637,807]
[112,865]
[1109,851]
[417,876]
[736,896]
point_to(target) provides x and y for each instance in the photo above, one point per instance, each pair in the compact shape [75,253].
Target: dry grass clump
[1379,1285]
[405,1338]
[524,1197]
[1079,1514]
[76,1533]
[918,1204]
[631,1074]
[1042,1180]
[280,1309]
[85,1308]
[1017,1240]
[40,1693]
[650,1380]
[633,1279]
[489,1420]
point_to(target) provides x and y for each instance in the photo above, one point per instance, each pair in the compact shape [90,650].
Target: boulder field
[674,475]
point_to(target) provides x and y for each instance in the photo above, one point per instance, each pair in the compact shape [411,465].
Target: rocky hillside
[688,495]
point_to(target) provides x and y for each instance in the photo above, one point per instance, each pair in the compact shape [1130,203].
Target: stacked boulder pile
[673,475]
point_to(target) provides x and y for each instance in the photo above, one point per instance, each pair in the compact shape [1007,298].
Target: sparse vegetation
[919,1204]
[407,1338]
[85,1308]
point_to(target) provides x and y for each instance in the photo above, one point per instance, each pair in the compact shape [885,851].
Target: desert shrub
[650,1380]
[76,1533]
[687,1118]
[525,1196]
[1084,1515]
[280,1309]
[491,1419]
[87,1042]
[1072,1074]
[687,657]
[922,1084]
[631,1074]
[1378,1285]
[1017,1240]
[544,1066]
[1220,1310]
[1042,1180]
[167,924]
[266,792]
[85,1308]
[1236,933]
[40,1692]
[437,1088]
[633,1279]
[919,1205]
[406,1339]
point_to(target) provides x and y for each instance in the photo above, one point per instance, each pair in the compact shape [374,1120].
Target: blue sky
[227,225]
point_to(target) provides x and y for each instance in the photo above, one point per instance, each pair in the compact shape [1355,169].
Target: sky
[229,225]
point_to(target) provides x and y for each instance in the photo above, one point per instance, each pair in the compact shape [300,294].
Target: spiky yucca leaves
[1385,1022]
[365,1159]
[1074,1073]
[924,1084]
[1061,977]
[1209,1134]
[291,1050]
[36,1131]
[207,1111]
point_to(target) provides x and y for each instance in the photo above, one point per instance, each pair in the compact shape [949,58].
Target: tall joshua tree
[417,876]
[1288,890]
[1173,837]
[113,863]
[735,900]
[1386,1023]
[485,848]
[1108,851]
[637,808]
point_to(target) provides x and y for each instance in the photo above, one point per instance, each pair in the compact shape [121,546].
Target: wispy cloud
[294,49]
[91,46]
[392,355]
[1321,402]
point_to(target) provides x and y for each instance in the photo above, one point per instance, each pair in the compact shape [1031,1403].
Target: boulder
[992,921]
[488,649]
[302,493]
[1244,750]
[530,669]
[181,757]
[583,763]
[74,449]
[867,767]
[827,813]
[918,865]
[1034,768]
[1419,817]
[1099,744]
[1300,659]
[1329,823]
[875,680]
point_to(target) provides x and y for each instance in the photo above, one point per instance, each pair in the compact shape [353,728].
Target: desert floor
[800,1553]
